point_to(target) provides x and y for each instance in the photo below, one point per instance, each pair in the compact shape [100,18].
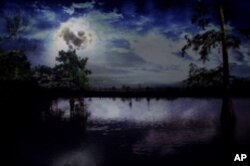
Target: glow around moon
[75,34]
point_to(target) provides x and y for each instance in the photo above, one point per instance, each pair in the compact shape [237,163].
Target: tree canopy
[69,73]
[208,39]
[14,66]
[71,70]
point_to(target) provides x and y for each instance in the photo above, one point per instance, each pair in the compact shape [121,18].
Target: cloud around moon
[77,40]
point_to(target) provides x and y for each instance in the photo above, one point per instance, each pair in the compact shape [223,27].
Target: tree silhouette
[71,72]
[14,66]
[210,39]
[44,76]
[204,78]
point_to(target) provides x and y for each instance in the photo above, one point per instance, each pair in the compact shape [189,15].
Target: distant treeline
[166,92]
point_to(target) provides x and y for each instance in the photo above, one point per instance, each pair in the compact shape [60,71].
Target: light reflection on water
[75,158]
[154,128]
[185,110]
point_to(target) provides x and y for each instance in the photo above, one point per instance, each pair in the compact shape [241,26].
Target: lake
[141,131]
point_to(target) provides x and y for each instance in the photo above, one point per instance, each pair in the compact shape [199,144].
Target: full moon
[75,34]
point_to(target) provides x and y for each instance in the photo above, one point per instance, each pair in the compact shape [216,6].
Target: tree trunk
[227,113]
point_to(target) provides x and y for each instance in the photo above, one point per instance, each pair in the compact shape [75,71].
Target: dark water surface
[183,131]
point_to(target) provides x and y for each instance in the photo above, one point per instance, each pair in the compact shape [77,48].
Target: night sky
[127,42]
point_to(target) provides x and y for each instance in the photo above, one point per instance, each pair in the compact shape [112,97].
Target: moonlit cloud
[48,14]
[44,12]
[71,10]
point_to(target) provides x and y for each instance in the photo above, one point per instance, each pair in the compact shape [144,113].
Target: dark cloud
[32,47]
[186,56]
[128,59]
[120,54]
[22,44]
[122,43]
[44,24]
[241,71]
[105,69]
[238,56]
[174,35]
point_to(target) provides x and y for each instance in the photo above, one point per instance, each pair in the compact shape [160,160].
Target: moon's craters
[75,40]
